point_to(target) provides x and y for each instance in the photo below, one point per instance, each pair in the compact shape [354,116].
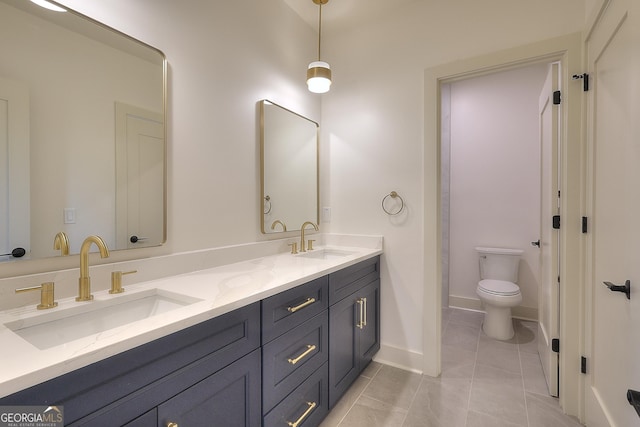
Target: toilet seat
[498,287]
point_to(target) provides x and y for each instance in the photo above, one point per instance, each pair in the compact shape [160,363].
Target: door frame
[566,50]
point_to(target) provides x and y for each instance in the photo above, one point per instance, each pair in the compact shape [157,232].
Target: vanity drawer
[344,282]
[292,357]
[290,308]
[306,404]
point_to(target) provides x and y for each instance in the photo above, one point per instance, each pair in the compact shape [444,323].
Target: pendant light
[319,72]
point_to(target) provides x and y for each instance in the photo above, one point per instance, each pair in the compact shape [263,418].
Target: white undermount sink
[62,326]
[326,253]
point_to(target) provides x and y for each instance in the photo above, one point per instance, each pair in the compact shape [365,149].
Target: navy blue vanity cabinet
[295,336]
[306,406]
[131,388]
[354,323]
[230,398]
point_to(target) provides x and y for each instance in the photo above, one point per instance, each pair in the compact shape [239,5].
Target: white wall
[495,177]
[373,131]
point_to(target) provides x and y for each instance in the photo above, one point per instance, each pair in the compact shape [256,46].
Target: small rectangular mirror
[289,166]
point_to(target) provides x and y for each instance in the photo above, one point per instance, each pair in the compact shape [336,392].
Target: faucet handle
[116,281]
[310,244]
[46,295]
[294,247]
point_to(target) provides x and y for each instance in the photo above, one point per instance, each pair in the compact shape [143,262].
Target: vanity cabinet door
[354,324]
[343,347]
[369,334]
[230,398]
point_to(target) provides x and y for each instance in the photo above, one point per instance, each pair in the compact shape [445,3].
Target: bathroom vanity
[282,356]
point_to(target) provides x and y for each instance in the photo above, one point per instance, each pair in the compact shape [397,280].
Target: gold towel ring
[393,195]
[267,205]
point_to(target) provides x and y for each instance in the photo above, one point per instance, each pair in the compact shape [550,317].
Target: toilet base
[497,323]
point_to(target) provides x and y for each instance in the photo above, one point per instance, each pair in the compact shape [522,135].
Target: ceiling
[338,15]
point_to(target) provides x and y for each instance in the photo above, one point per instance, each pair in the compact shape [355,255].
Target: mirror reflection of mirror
[289,155]
[82,111]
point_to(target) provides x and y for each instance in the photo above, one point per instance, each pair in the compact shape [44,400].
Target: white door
[140,166]
[549,292]
[14,167]
[612,341]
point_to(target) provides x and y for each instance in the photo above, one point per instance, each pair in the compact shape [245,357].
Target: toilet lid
[499,287]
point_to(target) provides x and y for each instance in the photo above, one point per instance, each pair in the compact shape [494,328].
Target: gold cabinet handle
[364,316]
[360,324]
[309,349]
[312,405]
[309,301]
[172,424]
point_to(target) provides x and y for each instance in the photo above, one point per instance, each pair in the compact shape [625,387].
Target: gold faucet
[276,222]
[302,248]
[61,243]
[84,283]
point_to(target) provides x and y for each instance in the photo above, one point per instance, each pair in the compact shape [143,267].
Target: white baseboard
[399,358]
[520,312]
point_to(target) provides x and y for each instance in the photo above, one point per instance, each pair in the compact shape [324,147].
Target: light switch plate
[326,214]
[69,215]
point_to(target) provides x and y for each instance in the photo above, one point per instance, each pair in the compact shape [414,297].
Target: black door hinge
[555,345]
[585,80]
[557,97]
[583,365]
[584,224]
[556,222]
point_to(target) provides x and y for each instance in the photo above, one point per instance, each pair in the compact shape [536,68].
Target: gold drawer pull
[309,349]
[309,301]
[172,424]
[360,323]
[364,316]
[312,405]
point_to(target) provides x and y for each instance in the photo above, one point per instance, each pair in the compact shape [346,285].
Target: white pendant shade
[319,77]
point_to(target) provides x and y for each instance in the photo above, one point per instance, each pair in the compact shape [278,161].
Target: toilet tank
[499,263]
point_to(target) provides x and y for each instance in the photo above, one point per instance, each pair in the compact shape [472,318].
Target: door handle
[626,288]
[633,397]
[136,239]
[536,243]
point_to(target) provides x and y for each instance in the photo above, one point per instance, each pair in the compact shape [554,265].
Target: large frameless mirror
[289,158]
[82,134]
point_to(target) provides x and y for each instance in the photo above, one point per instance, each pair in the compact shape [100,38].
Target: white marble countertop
[220,290]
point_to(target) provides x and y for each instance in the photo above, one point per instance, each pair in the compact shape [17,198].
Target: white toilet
[498,290]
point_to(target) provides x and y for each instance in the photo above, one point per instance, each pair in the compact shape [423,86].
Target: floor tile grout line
[357,397]
[413,399]
[524,390]
[473,376]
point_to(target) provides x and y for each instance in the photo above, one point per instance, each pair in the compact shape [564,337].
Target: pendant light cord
[319,30]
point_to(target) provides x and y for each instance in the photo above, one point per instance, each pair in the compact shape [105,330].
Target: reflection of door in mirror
[139,177]
[14,167]
[289,154]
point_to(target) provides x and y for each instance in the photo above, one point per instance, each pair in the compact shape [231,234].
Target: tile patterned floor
[484,383]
